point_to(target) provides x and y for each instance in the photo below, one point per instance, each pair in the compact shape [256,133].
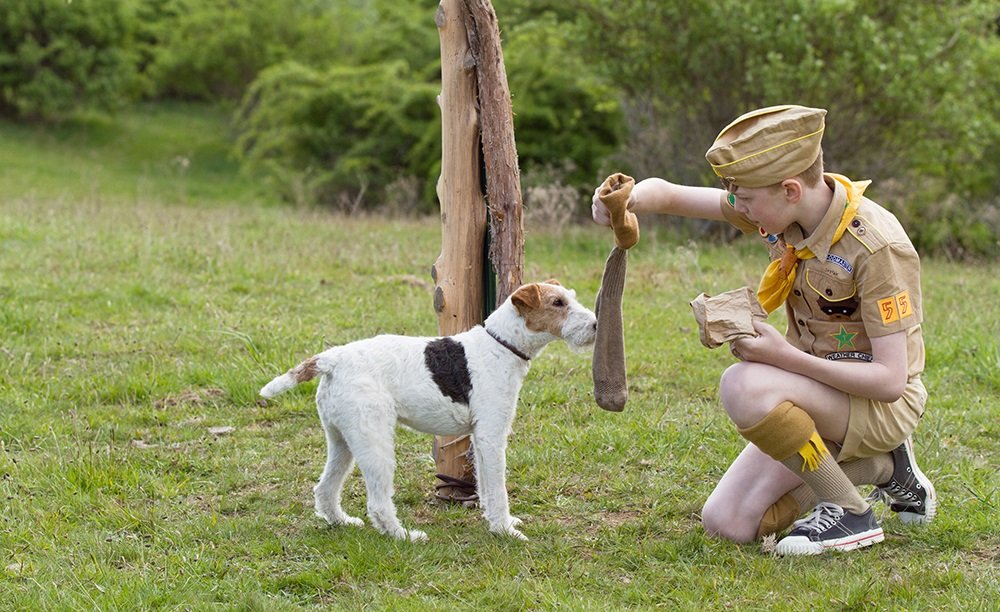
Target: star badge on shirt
[844,339]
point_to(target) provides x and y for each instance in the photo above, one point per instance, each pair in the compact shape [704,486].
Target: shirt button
[856,223]
[829,292]
[801,323]
[797,293]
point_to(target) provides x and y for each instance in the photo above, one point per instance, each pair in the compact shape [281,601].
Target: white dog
[466,383]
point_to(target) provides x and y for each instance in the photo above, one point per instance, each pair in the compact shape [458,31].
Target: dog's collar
[507,345]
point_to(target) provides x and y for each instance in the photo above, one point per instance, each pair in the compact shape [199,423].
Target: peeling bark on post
[503,177]
[458,271]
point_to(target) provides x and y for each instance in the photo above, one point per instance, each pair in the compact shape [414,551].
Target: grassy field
[142,307]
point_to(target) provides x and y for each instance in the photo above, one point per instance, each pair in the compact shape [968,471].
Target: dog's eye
[558,303]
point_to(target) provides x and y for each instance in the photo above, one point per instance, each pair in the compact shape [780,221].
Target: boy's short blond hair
[811,176]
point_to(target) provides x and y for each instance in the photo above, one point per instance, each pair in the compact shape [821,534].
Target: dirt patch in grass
[191,397]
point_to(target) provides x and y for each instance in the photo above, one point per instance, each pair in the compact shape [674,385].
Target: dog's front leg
[490,448]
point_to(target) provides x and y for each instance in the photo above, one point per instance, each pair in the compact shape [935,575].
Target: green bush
[339,137]
[910,88]
[57,56]
[564,117]
[213,49]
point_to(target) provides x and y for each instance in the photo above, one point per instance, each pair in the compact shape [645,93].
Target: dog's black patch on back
[449,369]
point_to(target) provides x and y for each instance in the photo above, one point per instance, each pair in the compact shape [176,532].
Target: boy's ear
[793,190]
[527,297]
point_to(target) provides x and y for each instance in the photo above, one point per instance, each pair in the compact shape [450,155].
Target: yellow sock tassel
[812,453]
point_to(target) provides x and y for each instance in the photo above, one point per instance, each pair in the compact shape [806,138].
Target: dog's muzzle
[580,329]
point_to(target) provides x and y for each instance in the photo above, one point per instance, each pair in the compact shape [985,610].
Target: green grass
[134,323]
[168,152]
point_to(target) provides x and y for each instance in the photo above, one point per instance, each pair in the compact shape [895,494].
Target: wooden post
[458,271]
[473,77]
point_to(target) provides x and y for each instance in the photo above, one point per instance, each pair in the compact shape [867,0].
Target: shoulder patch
[895,307]
[449,369]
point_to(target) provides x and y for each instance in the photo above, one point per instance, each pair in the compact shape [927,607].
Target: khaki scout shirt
[865,286]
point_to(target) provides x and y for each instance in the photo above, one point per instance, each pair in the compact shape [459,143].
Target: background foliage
[55,56]
[334,100]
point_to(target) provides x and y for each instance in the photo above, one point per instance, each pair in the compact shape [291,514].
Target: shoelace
[823,517]
[901,496]
[895,494]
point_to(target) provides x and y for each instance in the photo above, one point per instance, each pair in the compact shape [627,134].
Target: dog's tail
[307,370]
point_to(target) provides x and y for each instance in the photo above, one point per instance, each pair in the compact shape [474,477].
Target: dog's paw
[407,535]
[344,519]
[510,529]
[416,535]
[514,533]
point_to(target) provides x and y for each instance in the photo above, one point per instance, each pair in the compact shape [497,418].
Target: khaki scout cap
[768,145]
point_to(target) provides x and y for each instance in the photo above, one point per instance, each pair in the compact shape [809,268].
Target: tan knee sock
[870,470]
[788,434]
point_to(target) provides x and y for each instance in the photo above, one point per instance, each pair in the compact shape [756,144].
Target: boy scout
[833,402]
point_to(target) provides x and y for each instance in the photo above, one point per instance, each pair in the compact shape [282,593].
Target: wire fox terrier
[455,385]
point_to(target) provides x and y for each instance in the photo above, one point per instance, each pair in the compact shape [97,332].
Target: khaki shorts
[876,427]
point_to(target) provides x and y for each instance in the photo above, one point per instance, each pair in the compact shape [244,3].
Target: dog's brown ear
[553,281]
[527,297]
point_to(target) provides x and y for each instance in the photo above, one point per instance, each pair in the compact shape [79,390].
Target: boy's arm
[883,379]
[657,196]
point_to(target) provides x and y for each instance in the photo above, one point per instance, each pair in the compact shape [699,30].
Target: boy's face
[768,207]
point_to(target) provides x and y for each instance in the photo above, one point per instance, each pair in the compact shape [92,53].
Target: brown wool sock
[788,434]
[610,382]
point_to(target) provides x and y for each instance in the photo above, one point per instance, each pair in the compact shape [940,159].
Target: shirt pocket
[830,287]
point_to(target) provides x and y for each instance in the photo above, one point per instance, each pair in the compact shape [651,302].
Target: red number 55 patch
[895,307]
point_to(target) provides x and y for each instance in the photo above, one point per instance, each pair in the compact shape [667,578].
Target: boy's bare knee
[722,523]
[736,380]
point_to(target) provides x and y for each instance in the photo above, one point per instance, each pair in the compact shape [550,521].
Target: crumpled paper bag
[727,316]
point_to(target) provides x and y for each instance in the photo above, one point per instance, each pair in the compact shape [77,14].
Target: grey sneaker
[830,527]
[908,493]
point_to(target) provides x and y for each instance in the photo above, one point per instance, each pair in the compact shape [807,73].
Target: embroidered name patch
[896,307]
[840,261]
[851,355]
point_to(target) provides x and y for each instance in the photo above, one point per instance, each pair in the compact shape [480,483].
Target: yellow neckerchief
[780,274]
